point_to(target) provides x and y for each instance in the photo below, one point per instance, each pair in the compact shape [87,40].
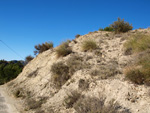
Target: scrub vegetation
[139,72]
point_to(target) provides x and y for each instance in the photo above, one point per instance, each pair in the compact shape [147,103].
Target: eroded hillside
[91,80]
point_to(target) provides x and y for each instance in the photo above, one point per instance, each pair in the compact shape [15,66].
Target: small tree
[41,48]
[28,58]
[121,26]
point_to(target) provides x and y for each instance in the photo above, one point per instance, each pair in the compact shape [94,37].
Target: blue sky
[25,23]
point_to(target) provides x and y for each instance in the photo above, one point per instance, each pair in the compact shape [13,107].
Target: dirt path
[6,102]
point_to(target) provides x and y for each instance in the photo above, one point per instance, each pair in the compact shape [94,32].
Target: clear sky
[25,23]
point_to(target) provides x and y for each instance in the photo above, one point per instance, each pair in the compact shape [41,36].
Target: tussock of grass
[89,45]
[135,75]
[137,43]
[63,49]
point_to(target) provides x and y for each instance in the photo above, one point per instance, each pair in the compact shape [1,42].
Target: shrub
[109,28]
[63,71]
[97,105]
[101,29]
[28,58]
[41,48]
[120,26]
[60,73]
[137,43]
[78,35]
[63,49]
[75,63]
[89,45]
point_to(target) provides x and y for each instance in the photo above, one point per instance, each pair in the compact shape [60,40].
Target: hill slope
[96,79]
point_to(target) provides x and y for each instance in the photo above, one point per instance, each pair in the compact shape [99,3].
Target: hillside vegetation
[100,72]
[139,71]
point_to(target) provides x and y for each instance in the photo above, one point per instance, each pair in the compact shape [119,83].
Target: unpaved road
[6,102]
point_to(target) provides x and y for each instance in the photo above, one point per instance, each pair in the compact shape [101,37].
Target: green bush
[9,70]
[63,49]
[42,47]
[120,26]
[89,45]
[109,28]
[101,29]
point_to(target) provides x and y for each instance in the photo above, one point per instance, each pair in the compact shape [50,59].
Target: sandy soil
[7,103]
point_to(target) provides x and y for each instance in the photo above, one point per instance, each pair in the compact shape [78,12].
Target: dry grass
[105,71]
[76,63]
[140,72]
[89,45]
[97,105]
[137,43]
[63,49]
[134,74]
